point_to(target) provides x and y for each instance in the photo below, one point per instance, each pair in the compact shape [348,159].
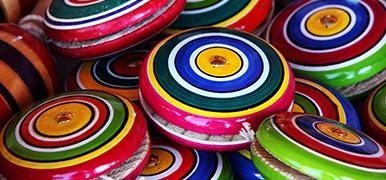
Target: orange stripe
[88,82]
[15,85]
[27,51]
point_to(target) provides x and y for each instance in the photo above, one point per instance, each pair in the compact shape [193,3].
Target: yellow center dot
[327,22]
[63,119]
[297,108]
[219,62]
[338,133]
[159,161]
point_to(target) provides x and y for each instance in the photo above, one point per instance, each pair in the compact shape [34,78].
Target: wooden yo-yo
[95,28]
[374,114]
[115,74]
[313,98]
[340,43]
[170,160]
[204,87]
[76,135]
[302,146]
[12,10]
[26,67]
[247,15]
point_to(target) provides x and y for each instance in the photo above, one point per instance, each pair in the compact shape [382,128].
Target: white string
[247,132]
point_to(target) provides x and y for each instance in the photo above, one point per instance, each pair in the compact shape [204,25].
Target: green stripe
[302,160]
[306,104]
[117,122]
[199,5]
[268,88]
[101,70]
[60,9]
[379,105]
[226,172]
[226,11]
[349,75]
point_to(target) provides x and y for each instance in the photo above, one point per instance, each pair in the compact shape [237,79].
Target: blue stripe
[242,167]
[58,23]
[250,76]
[206,166]
[306,124]
[296,36]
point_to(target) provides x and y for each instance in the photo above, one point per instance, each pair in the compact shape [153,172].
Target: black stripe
[24,68]
[9,98]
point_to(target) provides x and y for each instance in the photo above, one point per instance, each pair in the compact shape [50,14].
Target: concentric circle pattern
[246,15]
[172,161]
[374,114]
[315,145]
[337,42]
[117,74]
[70,136]
[216,74]
[318,99]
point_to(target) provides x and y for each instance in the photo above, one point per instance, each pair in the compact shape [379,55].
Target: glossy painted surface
[321,148]
[27,71]
[315,98]
[245,15]
[74,135]
[169,160]
[216,104]
[312,98]
[117,74]
[98,28]
[202,144]
[374,114]
[339,43]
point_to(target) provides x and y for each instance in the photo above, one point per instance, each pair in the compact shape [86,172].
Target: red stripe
[36,142]
[313,58]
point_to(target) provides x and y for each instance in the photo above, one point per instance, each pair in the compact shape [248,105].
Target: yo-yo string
[247,132]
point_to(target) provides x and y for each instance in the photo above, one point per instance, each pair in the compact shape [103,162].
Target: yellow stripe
[201,112]
[341,114]
[245,153]
[370,110]
[239,15]
[75,161]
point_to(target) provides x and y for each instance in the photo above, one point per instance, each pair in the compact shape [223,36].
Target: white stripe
[32,122]
[71,27]
[81,4]
[151,113]
[303,23]
[175,166]
[219,167]
[65,148]
[191,88]
[193,65]
[204,10]
[324,156]
[195,166]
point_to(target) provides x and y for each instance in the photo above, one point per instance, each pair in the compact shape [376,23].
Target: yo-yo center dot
[64,117]
[218,61]
[338,131]
[153,161]
[328,20]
